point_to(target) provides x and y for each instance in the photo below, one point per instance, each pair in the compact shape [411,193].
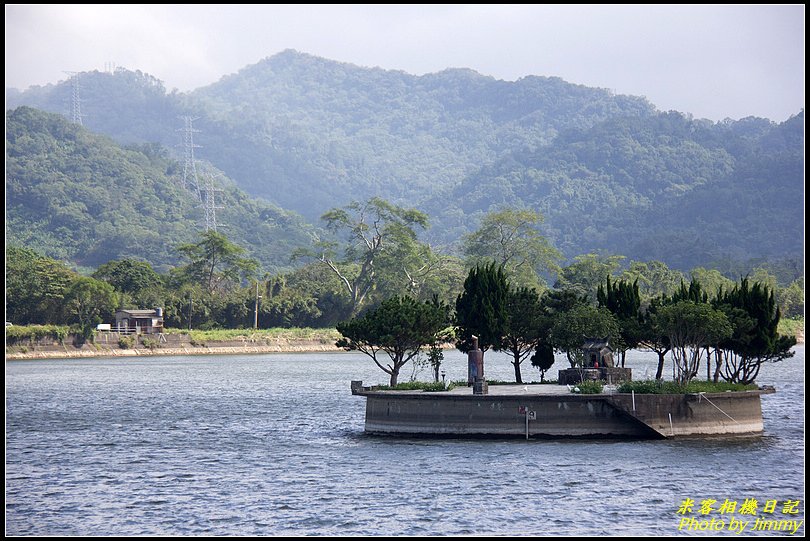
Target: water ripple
[273,445]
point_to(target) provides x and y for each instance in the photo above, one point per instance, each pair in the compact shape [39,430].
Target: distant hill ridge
[610,172]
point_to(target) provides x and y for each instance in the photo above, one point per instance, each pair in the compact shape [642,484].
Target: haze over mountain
[610,172]
[80,197]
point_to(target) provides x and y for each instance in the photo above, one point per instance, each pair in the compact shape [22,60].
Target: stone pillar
[475,369]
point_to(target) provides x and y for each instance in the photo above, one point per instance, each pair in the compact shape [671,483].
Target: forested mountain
[665,187]
[610,173]
[81,197]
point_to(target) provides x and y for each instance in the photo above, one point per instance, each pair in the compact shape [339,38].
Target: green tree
[691,327]
[755,339]
[373,230]
[694,292]
[622,299]
[435,353]
[791,298]
[89,301]
[654,278]
[400,327]
[128,275]
[216,262]
[583,321]
[543,358]
[526,326]
[310,296]
[558,301]
[481,308]
[587,272]
[711,280]
[35,287]
[652,336]
[511,238]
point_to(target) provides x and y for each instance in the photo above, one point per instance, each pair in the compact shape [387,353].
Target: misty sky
[714,62]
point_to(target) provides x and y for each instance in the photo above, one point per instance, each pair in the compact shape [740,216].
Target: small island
[593,398]
[552,411]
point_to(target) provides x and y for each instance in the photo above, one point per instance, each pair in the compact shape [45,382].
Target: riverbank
[71,352]
[231,342]
[177,342]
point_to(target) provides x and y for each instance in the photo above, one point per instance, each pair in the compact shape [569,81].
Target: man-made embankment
[113,345]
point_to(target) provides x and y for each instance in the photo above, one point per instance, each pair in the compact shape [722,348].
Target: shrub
[672,387]
[150,343]
[588,387]
[19,333]
[429,387]
[126,342]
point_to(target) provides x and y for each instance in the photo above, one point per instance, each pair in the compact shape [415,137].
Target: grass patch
[672,387]
[19,333]
[429,387]
[258,335]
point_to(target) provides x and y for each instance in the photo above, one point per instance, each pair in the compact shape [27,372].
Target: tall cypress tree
[622,299]
[753,311]
[481,308]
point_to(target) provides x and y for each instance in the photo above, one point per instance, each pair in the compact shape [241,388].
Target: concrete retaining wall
[572,415]
[431,413]
[697,414]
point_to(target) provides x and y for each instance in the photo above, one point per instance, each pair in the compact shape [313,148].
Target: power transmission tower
[75,101]
[190,179]
[209,203]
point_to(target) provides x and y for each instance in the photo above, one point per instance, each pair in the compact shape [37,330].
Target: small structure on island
[139,321]
[597,364]
[598,353]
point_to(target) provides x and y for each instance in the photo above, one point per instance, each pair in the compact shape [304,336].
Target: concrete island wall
[569,415]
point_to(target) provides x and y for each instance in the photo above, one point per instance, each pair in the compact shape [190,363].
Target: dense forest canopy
[609,173]
[81,197]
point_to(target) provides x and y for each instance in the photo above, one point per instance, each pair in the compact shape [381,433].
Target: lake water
[274,445]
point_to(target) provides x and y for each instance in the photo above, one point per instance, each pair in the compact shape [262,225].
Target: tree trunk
[394,376]
[718,362]
[661,358]
[624,352]
[436,372]
[708,365]
[516,363]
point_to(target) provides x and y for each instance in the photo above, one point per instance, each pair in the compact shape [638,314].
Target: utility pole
[256,311]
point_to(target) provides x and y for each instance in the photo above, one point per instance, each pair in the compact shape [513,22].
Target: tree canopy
[754,339]
[510,237]
[691,327]
[481,308]
[399,327]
